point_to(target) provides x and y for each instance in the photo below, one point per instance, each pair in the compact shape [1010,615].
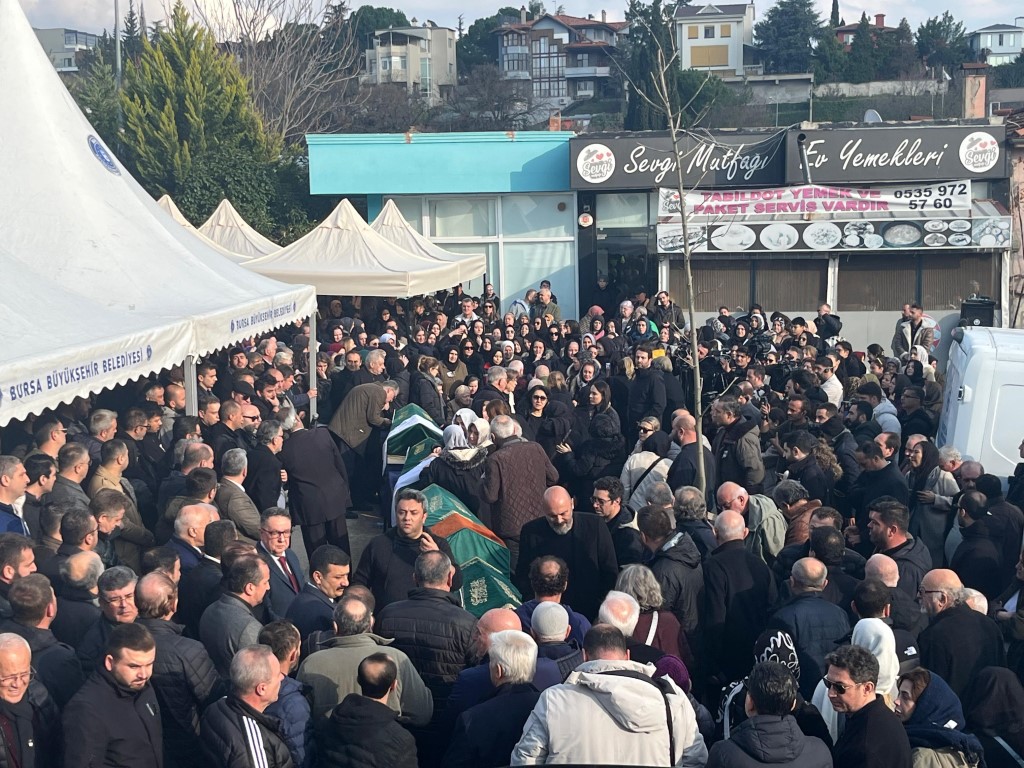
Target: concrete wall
[881,88]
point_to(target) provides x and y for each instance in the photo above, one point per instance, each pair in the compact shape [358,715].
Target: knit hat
[776,645]
[550,621]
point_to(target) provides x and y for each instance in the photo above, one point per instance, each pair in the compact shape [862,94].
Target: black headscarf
[929,461]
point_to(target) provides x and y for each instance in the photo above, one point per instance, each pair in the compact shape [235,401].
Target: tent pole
[191,394]
[311,381]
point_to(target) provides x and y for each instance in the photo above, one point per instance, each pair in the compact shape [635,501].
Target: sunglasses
[645,430]
[839,688]
[539,397]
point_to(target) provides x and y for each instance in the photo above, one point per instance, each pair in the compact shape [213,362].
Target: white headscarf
[455,437]
[876,636]
[467,415]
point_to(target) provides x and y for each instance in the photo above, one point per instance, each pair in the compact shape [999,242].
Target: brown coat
[234,504]
[798,520]
[358,414]
[134,536]
[515,478]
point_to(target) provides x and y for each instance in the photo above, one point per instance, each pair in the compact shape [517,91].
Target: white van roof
[1008,343]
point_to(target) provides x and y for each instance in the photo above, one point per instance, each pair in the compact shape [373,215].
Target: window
[373,67]
[726,30]
[691,33]
[582,59]
[876,282]
[790,284]
[620,211]
[948,279]
[709,33]
[516,62]
[537,216]
[425,45]
[1000,41]
[463,217]
[714,282]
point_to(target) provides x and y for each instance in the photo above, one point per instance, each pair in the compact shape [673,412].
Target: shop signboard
[647,161]
[895,153]
[849,235]
[816,199]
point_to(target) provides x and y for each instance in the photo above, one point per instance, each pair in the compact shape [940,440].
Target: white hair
[621,611]
[189,516]
[974,599]
[949,453]
[503,427]
[250,667]
[12,642]
[516,653]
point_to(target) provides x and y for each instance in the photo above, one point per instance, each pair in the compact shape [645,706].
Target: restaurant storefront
[877,216]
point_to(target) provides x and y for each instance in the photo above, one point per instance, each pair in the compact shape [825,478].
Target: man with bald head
[581,539]
[958,642]
[765,522]
[683,471]
[184,677]
[904,612]
[738,594]
[189,531]
[815,624]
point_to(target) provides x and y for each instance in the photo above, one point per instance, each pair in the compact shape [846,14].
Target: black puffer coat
[56,664]
[227,729]
[363,733]
[460,471]
[770,740]
[423,392]
[602,453]
[435,633]
[677,569]
[185,682]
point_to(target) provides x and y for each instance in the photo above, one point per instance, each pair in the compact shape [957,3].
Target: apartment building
[420,58]
[61,45]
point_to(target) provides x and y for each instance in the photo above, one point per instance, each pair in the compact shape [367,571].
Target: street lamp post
[117,42]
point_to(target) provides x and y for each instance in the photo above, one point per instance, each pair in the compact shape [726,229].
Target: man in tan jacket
[134,536]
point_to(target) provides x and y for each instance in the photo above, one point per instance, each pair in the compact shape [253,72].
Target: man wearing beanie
[550,628]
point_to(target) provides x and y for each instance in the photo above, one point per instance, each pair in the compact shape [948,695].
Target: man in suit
[318,486]
[313,607]
[232,501]
[286,576]
[189,533]
[355,423]
[263,475]
[201,586]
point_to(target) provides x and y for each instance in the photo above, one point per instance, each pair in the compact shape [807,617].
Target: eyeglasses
[22,678]
[921,591]
[600,501]
[253,418]
[122,600]
[277,534]
[839,688]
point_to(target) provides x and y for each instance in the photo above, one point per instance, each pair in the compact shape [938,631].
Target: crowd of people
[786,570]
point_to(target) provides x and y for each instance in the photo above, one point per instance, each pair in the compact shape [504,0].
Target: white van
[983,412]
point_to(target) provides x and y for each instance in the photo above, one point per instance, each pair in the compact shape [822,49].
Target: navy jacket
[486,734]
[815,625]
[281,591]
[473,686]
[188,554]
[311,610]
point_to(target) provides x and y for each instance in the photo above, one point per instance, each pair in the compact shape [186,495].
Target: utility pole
[117,42]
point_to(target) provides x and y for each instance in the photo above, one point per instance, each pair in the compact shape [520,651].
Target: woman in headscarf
[931,498]
[642,470]
[460,471]
[480,435]
[934,720]
[571,358]
[453,371]
[553,336]
[463,418]
[597,327]
[543,420]
[467,354]
[600,453]
[643,331]
[539,355]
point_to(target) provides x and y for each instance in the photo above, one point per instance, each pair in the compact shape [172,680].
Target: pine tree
[786,34]
[131,35]
[96,95]
[861,63]
[189,126]
[829,58]
[649,32]
[833,19]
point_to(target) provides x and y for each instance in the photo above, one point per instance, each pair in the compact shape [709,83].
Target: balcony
[516,74]
[589,72]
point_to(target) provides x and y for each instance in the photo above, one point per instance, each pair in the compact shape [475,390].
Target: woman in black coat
[425,388]
[544,420]
[460,471]
[601,453]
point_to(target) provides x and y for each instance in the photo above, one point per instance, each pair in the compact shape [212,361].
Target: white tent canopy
[227,227]
[343,255]
[168,205]
[97,285]
[392,226]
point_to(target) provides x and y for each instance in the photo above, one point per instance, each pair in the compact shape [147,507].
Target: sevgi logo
[595,163]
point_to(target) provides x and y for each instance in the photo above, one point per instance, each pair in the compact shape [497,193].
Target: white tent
[343,255]
[227,227]
[169,206]
[392,226]
[97,285]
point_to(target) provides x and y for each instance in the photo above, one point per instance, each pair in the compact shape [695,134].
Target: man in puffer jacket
[675,564]
[362,731]
[770,735]
[184,677]
[610,706]
[235,731]
[292,708]
[29,720]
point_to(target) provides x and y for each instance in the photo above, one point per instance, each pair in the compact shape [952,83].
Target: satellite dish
[872,116]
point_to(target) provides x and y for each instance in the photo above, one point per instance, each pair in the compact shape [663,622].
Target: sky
[95,15]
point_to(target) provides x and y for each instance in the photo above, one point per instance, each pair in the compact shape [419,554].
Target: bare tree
[487,101]
[299,57]
[661,94]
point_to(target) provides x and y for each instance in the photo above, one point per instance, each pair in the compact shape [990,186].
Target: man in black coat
[362,731]
[34,607]
[29,720]
[201,586]
[958,642]
[607,502]
[263,469]
[318,487]
[486,733]
[738,594]
[675,562]
[286,575]
[683,471]
[227,433]
[977,559]
[184,678]
[235,730]
[430,627]
[386,565]
[114,719]
[878,478]
[491,389]
[77,603]
[646,392]
[814,623]
[888,521]
[313,608]
[873,735]
[1005,524]
[582,540]
[915,420]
